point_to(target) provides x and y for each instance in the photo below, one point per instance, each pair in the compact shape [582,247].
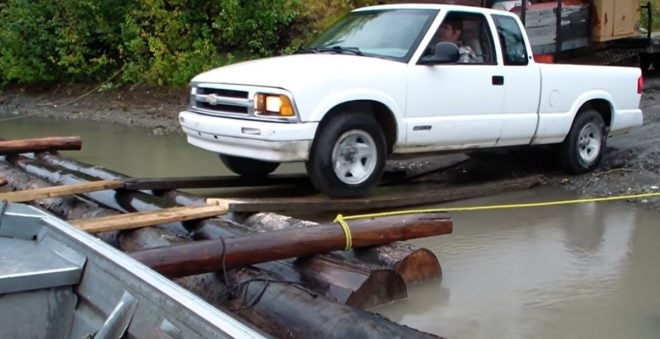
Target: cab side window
[470,31]
[511,40]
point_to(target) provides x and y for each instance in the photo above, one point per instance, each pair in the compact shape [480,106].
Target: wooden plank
[60,191]
[8,147]
[171,183]
[144,219]
[413,197]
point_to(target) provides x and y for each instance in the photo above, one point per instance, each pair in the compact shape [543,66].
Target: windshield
[383,33]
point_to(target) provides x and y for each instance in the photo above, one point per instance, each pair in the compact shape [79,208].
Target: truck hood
[295,72]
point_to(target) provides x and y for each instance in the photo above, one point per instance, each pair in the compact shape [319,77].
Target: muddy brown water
[578,271]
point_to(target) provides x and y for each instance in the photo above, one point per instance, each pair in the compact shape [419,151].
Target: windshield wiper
[334,49]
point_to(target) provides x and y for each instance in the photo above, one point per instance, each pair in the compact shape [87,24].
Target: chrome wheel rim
[354,157]
[589,142]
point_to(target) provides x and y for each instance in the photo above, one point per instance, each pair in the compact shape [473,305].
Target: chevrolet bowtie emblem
[213,99]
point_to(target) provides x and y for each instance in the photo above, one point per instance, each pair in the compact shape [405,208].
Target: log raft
[416,265]
[282,310]
[139,201]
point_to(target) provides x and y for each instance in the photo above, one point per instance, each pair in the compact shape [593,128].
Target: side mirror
[444,53]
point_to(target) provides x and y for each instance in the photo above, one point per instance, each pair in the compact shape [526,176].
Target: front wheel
[246,167]
[348,156]
[584,146]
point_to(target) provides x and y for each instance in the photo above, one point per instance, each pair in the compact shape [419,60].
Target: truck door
[456,105]
[521,81]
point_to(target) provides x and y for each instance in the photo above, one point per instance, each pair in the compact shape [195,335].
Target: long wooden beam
[212,181]
[427,195]
[61,191]
[144,219]
[8,147]
[171,183]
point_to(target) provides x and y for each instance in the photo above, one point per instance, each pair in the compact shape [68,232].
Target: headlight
[273,104]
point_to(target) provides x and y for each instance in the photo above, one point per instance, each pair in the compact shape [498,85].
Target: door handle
[498,80]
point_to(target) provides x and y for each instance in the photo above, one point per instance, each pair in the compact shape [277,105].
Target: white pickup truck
[400,79]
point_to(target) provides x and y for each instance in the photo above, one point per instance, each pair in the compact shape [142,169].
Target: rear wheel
[585,143]
[246,167]
[348,156]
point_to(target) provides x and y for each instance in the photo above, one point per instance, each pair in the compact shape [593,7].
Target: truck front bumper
[268,141]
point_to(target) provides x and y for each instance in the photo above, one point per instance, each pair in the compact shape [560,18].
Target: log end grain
[419,266]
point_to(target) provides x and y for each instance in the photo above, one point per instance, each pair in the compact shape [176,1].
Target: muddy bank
[152,107]
[631,162]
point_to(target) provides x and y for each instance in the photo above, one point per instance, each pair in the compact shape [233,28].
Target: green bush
[150,41]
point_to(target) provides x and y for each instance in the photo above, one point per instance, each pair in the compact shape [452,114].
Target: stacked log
[415,265]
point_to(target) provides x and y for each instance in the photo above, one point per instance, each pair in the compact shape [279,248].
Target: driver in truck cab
[451,30]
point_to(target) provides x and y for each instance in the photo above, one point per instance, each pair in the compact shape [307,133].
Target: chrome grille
[221,101]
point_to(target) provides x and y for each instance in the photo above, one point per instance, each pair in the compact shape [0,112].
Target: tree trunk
[8,147]
[213,255]
[415,265]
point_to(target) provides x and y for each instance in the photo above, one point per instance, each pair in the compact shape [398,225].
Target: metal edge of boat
[54,274]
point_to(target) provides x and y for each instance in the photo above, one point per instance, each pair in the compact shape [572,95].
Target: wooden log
[213,255]
[415,265]
[344,280]
[282,310]
[134,201]
[17,146]
[60,191]
[352,283]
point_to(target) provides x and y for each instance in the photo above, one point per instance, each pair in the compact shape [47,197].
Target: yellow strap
[347,231]
[498,207]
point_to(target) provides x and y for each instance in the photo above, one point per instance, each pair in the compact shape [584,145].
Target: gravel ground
[631,162]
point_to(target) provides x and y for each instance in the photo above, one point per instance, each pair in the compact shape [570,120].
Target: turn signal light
[640,84]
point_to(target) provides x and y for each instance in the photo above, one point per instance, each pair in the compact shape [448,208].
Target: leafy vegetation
[150,41]
[156,41]
[655,6]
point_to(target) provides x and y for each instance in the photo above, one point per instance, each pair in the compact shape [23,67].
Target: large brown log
[283,310]
[17,146]
[213,255]
[414,264]
[327,280]
[347,281]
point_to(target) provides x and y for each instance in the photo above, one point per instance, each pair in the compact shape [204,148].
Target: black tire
[343,138]
[246,167]
[585,144]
